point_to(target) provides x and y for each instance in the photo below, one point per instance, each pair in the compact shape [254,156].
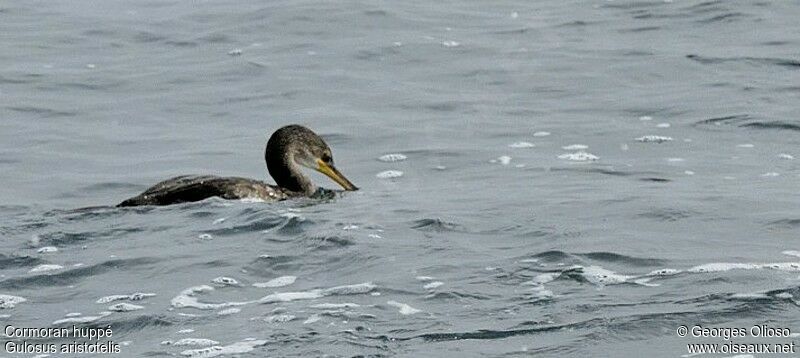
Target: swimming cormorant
[288,148]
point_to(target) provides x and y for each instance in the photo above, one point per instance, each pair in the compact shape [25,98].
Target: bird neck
[287,174]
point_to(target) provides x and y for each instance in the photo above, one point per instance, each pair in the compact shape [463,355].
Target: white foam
[688,172]
[350,289]
[124,307]
[389,174]
[225,281]
[291,296]
[335,305]
[664,272]
[192,342]
[600,276]
[749,296]
[424,278]
[791,253]
[545,278]
[770,175]
[311,319]
[676,160]
[185,331]
[229,311]
[522,145]
[138,296]
[785,156]
[663,125]
[433,285]
[575,147]
[654,139]
[318,293]
[503,159]
[205,237]
[727,266]
[72,314]
[721,267]
[8,301]
[404,308]
[278,318]
[541,134]
[450,44]
[277,282]
[45,268]
[393,157]
[82,319]
[215,351]
[219,221]
[250,200]
[291,215]
[645,118]
[745,145]
[112,298]
[187,299]
[47,250]
[579,157]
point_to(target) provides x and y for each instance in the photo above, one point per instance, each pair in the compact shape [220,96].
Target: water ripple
[781,62]
[75,275]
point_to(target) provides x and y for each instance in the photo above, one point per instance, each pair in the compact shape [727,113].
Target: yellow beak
[334,174]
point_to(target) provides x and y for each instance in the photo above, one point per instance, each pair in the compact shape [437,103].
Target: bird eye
[327,158]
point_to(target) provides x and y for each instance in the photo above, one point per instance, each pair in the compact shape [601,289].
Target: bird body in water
[288,149]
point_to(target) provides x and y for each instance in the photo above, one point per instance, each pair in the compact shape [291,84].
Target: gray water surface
[580,178]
